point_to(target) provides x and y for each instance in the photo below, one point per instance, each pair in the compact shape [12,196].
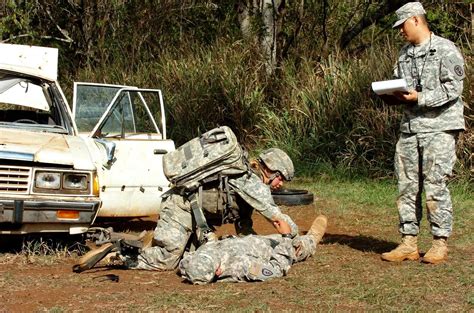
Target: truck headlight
[65,182]
[48,180]
[75,181]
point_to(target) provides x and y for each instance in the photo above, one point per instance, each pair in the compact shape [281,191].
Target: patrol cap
[408,10]
[277,160]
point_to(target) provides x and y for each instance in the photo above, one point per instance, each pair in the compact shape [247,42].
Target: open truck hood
[35,61]
[44,147]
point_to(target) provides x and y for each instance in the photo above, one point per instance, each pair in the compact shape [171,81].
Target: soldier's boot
[318,228]
[406,250]
[438,252]
[91,258]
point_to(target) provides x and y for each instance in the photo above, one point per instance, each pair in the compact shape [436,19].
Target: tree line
[287,73]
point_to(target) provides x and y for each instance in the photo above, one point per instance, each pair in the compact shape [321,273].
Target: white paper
[388,87]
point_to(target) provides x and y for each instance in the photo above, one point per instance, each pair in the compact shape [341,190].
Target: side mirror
[109,150]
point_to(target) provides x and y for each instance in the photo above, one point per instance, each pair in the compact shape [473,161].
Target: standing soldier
[432,118]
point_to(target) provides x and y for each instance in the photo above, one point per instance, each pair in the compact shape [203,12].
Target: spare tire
[291,197]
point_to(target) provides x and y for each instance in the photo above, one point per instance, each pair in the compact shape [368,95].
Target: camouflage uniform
[250,258]
[425,152]
[175,225]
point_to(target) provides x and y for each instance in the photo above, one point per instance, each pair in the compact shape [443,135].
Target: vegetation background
[315,102]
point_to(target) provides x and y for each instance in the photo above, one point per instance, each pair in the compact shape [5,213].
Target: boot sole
[92,257]
[401,259]
[434,262]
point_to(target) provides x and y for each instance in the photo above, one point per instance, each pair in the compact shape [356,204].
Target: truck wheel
[290,197]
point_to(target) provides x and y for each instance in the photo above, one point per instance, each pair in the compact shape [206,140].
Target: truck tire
[290,197]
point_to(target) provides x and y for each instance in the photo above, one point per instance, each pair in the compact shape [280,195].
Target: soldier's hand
[281,226]
[410,96]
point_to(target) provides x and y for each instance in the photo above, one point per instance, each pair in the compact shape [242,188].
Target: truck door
[128,128]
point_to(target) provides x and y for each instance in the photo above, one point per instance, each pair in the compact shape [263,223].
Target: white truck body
[55,177]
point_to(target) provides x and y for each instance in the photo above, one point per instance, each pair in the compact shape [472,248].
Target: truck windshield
[26,104]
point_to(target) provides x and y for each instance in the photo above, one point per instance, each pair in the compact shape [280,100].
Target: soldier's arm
[258,196]
[451,81]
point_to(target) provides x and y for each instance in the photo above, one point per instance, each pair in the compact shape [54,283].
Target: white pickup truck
[60,168]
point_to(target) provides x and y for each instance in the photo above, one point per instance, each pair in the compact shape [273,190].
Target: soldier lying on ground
[251,258]
[175,226]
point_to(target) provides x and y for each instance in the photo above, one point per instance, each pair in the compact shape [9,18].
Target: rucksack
[202,159]
[215,155]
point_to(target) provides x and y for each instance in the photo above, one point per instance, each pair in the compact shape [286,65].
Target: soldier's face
[277,183]
[409,29]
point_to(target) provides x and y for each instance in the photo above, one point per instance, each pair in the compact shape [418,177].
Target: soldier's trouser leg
[407,169]
[304,247]
[171,235]
[244,224]
[439,156]
[425,160]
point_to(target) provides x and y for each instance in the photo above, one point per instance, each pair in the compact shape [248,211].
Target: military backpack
[211,157]
[202,159]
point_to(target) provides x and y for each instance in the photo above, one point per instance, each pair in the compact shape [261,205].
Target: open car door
[128,127]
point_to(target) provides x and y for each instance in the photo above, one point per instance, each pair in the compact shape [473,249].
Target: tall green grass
[322,112]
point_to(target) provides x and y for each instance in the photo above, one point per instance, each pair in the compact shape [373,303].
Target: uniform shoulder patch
[454,63]
[458,70]
[266,272]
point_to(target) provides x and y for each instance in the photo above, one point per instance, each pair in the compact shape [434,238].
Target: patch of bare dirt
[33,287]
[345,274]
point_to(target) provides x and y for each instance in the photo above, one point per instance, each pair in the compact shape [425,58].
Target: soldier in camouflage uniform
[175,225]
[251,258]
[432,117]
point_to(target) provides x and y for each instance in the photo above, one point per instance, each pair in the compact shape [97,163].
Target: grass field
[346,274]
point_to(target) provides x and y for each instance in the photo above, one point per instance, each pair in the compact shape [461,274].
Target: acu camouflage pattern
[277,160]
[441,67]
[425,153]
[250,258]
[175,225]
[408,10]
[437,154]
[214,152]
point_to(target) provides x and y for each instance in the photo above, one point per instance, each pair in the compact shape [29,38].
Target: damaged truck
[61,167]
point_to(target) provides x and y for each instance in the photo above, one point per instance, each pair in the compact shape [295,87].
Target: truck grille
[14,179]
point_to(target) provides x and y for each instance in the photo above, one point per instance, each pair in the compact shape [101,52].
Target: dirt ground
[36,286]
[32,287]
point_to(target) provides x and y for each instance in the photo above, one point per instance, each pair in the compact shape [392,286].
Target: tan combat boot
[438,251]
[407,250]
[318,228]
[91,258]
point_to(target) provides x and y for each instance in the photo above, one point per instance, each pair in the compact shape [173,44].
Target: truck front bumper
[29,215]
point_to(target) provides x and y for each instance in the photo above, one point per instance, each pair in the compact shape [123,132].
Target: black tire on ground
[290,197]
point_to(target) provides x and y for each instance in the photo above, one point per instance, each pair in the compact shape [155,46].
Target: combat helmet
[277,160]
[199,267]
